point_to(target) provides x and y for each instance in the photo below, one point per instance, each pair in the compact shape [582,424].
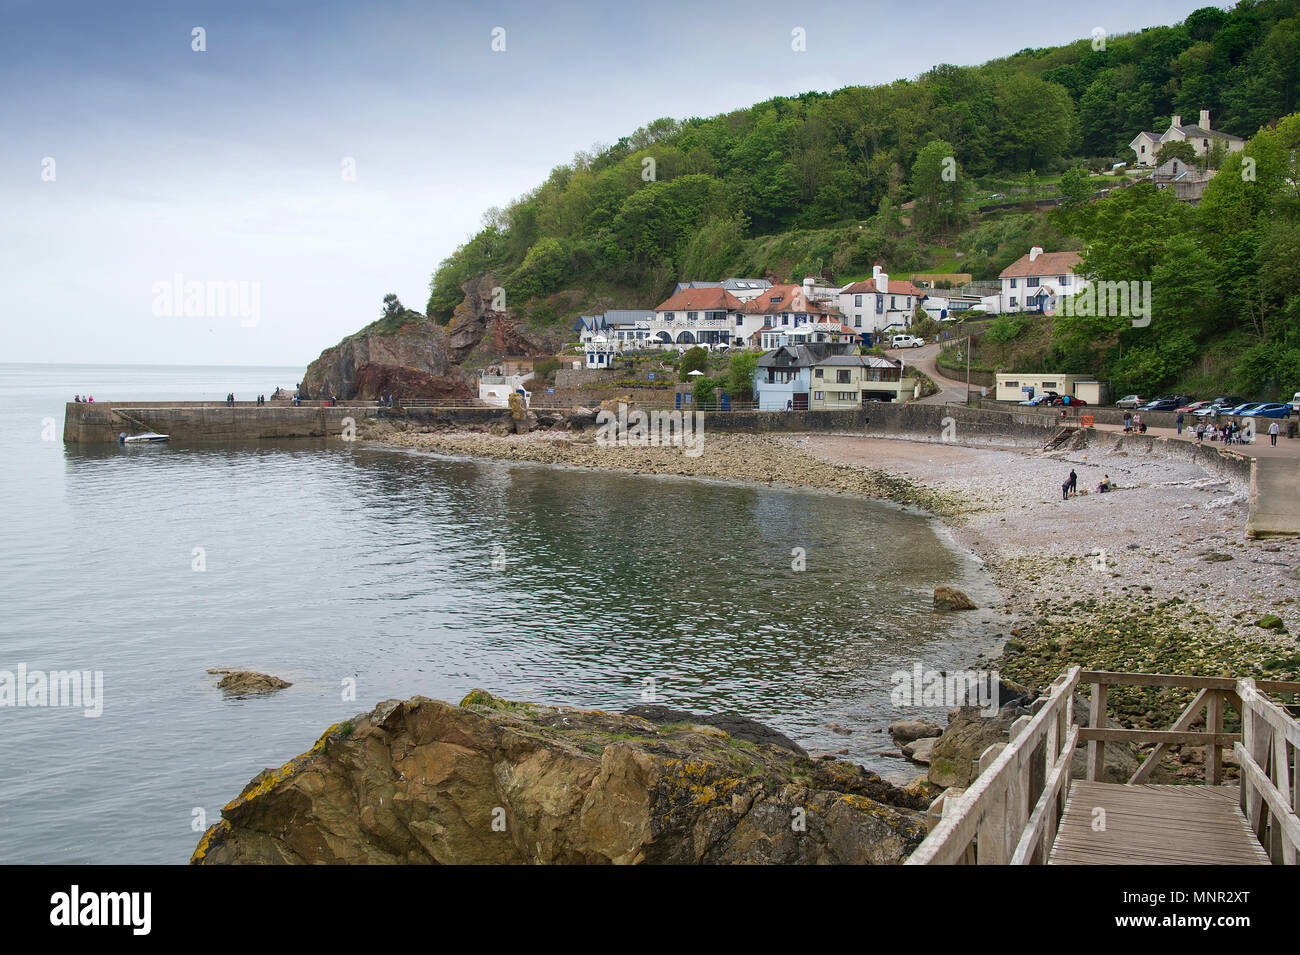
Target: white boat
[148,437]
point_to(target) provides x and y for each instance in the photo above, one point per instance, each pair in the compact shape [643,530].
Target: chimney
[1178,120]
[880,277]
[1035,252]
[1205,120]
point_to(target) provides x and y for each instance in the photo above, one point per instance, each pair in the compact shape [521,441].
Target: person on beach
[1074,482]
[1128,421]
[1200,432]
[1104,486]
[1065,489]
[1273,432]
[1179,422]
[1137,423]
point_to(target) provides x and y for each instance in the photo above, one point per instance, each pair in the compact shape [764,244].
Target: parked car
[1242,409]
[1044,399]
[1295,402]
[1130,401]
[1229,401]
[1160,404]
[1270,410]
[1068,400]
[906,341]
[1193,406]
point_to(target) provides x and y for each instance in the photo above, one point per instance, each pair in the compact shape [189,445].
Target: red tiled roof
[1048,263]
[895,288]
[702,299]
[763,304]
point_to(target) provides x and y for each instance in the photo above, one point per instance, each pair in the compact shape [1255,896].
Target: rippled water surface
[331,565]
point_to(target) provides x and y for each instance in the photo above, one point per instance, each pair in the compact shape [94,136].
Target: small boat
[148,437]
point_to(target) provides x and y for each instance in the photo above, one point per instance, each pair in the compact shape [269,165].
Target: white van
[1295,402]
[906,341]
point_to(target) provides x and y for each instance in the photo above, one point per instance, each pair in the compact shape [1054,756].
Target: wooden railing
[1011,811]
[1270,773]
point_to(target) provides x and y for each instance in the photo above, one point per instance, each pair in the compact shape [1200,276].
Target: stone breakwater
[753,459]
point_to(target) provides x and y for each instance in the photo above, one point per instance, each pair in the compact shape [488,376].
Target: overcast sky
[127,158]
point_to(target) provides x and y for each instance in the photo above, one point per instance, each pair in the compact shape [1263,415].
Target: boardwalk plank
[1155,825]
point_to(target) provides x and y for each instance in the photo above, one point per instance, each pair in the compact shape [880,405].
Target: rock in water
[904,731]
[490,781]
[950,598]
[246,682]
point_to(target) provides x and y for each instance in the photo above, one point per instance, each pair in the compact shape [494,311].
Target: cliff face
[360,365]
[421,781]
[417,358]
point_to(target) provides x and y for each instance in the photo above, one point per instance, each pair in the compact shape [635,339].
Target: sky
[313,157]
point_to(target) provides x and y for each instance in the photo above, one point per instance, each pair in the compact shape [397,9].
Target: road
[952,391]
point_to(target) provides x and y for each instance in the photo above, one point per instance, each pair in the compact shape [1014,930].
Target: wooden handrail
[994,811]
[1270,789]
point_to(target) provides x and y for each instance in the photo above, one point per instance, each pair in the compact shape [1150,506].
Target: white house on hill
[1200,135]
[1038,281]
[879,303]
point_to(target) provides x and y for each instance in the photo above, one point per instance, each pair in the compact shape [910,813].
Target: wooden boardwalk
[1024,808]
[1154,825]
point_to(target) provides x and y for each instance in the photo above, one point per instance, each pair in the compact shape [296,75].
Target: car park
[1269,410]
[1161,404]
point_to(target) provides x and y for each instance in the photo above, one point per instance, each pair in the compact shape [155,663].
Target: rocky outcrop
[248,682]
[905,731]
[490,781]
[950,598]
[476,318]
[381,357]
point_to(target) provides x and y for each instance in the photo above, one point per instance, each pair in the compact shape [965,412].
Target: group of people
[80,400]
[1232,433]
[1134,422]
[1070,486]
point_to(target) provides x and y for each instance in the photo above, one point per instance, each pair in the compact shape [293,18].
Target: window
[1031,282]
[817,373]
[692,316]
[880,304]
[1013,283]
[1063,280]
[1011,384]
[1013,301]
[848,396]
[740,320]
[857,321]
[1048,384]
[842,376]
[785,319]
[893,301]
[668,316]
[857,301]
[819,395]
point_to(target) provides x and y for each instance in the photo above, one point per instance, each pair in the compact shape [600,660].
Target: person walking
[1065,489]
[1273,431]
[1179,422]
[1200,432]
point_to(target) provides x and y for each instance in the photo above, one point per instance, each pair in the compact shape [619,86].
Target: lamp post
[968,348]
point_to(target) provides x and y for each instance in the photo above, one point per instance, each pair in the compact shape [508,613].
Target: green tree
[1176,149]
[694,358]
[934,182]
[740,375]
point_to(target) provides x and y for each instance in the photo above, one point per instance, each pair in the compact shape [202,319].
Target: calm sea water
[355,565]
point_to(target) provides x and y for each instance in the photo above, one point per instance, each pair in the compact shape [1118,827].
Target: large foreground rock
[421,781]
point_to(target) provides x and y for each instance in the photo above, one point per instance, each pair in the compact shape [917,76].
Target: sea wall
[101,422]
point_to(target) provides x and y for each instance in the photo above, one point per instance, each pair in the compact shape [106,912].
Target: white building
[879,304]
[1038,281]
[1200,135]
[696,316]
[782,309]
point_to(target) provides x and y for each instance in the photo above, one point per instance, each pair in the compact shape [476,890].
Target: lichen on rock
[494,781]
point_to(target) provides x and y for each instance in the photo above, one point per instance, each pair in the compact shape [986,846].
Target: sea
[362,573]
